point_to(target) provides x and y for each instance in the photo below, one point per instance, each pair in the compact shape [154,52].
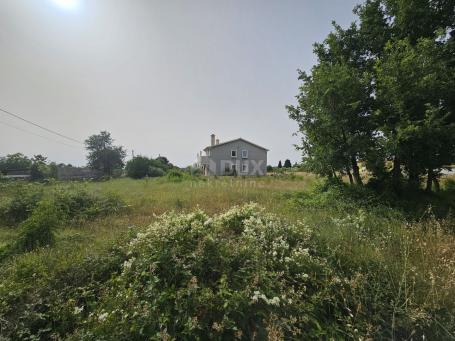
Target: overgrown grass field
[308,260]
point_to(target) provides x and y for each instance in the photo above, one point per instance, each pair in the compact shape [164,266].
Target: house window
[244,154]
[245,168]
[233,153]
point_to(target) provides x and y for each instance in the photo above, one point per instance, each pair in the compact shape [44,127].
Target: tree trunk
[413,181]
[430,178]
[351,180]
[356,171]
[436,184]
[396,174]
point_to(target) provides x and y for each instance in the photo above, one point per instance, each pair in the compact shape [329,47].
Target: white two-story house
[234,157]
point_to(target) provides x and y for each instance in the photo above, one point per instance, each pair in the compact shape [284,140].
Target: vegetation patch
[75,204]
[80,205]
[19,206]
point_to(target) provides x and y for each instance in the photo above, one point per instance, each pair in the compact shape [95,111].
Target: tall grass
[397,271]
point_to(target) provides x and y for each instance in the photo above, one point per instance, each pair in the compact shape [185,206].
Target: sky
[160,76]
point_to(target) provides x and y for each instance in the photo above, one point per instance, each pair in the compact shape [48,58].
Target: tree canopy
[141,166]
[13,162]
[287,163]
[103,155]
[382,92]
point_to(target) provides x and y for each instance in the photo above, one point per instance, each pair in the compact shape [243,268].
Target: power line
[39,126]
[44,137]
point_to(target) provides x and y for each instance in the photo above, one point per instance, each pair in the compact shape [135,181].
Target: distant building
[77,173]
[234,157]
[17,175]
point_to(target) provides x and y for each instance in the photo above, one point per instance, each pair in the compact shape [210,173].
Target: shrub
[141,166]
[20,206]
[138,167]
[79,205]
[336,194]
[44,298]
[176,175]
[239,274]
[74,205]
[193,171]
[155,172]
[38,230]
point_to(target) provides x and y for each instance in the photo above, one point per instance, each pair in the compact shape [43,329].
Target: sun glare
[67,4]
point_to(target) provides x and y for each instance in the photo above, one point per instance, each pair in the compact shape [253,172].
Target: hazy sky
[161,76]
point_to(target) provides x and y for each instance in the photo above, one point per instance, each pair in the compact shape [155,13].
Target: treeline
[103,157]
[38,166]
[109,159]
[383,93]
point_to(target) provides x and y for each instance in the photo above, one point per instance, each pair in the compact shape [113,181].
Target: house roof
[230,141]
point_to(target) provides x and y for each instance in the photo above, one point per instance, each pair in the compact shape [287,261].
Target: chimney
[212,139]
[217,141]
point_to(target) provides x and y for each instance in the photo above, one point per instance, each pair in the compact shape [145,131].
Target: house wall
[220,158]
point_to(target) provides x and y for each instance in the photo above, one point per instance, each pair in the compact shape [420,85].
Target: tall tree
[103,155]
[382,90]
[333,116]
[39,169]
[287,164]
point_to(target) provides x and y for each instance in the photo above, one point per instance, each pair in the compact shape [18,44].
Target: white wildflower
[103,316]
[128,263]
[78,310]
[274,301]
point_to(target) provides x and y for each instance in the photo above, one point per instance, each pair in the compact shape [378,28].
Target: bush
[141,166]
[75,205]
[38,230]
[81,205]
[138,167]
[175,176]
[20,206]
[193,171]
[44,298]
[336,194]
[154,172]
[242,274]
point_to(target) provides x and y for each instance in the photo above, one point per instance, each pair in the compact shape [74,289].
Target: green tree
[103,155]
[138,167]
[287,164]
[161,162]
[414,85]
[280,165]
[53,170]
[17,161]
[382,90]
[39,169]
[164,161]
[334,119]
